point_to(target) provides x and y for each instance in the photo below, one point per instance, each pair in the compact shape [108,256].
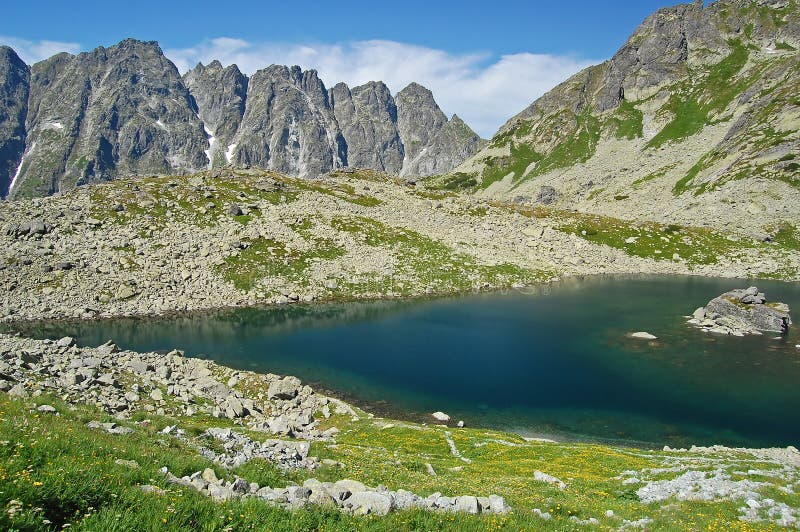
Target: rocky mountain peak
[418,118]
[14,81]
[125,109]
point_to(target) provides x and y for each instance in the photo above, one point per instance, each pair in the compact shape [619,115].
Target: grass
[661,172]
[159,201]
[692,105]
[652,240]
[578,138]
[786,236]
[56,473]
[423,262]
[627,121]
[268,258]
[459,180]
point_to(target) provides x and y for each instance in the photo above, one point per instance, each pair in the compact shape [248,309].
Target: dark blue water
[553,363]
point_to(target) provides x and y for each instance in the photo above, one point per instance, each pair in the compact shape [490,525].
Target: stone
[209,476]
[66,341]
[467,504]
[320,497]
[220,493]
[440,416]
[549,479]
[285,388]
[280,425]
[546,195]
[131,464]
[18,390]
[643,336]
[351,486]
[125,291]
[240,485]
[47,409]
[369,503]
[498,505]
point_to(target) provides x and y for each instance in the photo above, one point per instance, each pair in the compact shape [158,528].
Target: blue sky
[483,60]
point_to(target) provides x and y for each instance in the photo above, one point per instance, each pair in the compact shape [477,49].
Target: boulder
[67,341]
[440,416]
[742,311]
[369,503]
[546,195]
[209,476]
[467,504]
[285,388]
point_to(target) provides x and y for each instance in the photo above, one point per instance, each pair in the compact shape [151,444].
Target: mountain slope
[694,119]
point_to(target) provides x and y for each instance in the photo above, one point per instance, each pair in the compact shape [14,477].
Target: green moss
[459,180]
[691,105]
[627,121]
[573,149]
[785,46]
[423,261]
[785,235]
[522,155]
[661,172]
[650,239]
[268,258]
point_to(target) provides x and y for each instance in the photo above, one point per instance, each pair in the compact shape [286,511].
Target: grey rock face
[433,144]
[14,85]
[109,112]
[125,110]
[220,94]
[367,116]
[289,125]
[742,311]
[454,143]
[419,118]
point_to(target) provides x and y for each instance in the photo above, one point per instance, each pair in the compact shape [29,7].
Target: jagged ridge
[126,110]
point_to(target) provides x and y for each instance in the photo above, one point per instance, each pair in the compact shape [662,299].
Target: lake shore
[274,427]
[164,245]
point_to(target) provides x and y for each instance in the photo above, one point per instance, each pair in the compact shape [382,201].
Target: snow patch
[53,125]
[229,152]
[211,141]
[19,168]
[160,124]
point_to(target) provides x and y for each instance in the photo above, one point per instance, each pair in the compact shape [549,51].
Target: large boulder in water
[742,311]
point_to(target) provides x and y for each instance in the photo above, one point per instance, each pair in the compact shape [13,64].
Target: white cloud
[483,90]
[34,51]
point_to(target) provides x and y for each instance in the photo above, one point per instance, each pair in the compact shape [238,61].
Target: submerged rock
[742,311]
[641,335]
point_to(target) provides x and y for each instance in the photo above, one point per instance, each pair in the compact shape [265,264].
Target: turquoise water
[554,362]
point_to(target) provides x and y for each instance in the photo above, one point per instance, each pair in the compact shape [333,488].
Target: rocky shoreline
[277,419]
[282,409]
